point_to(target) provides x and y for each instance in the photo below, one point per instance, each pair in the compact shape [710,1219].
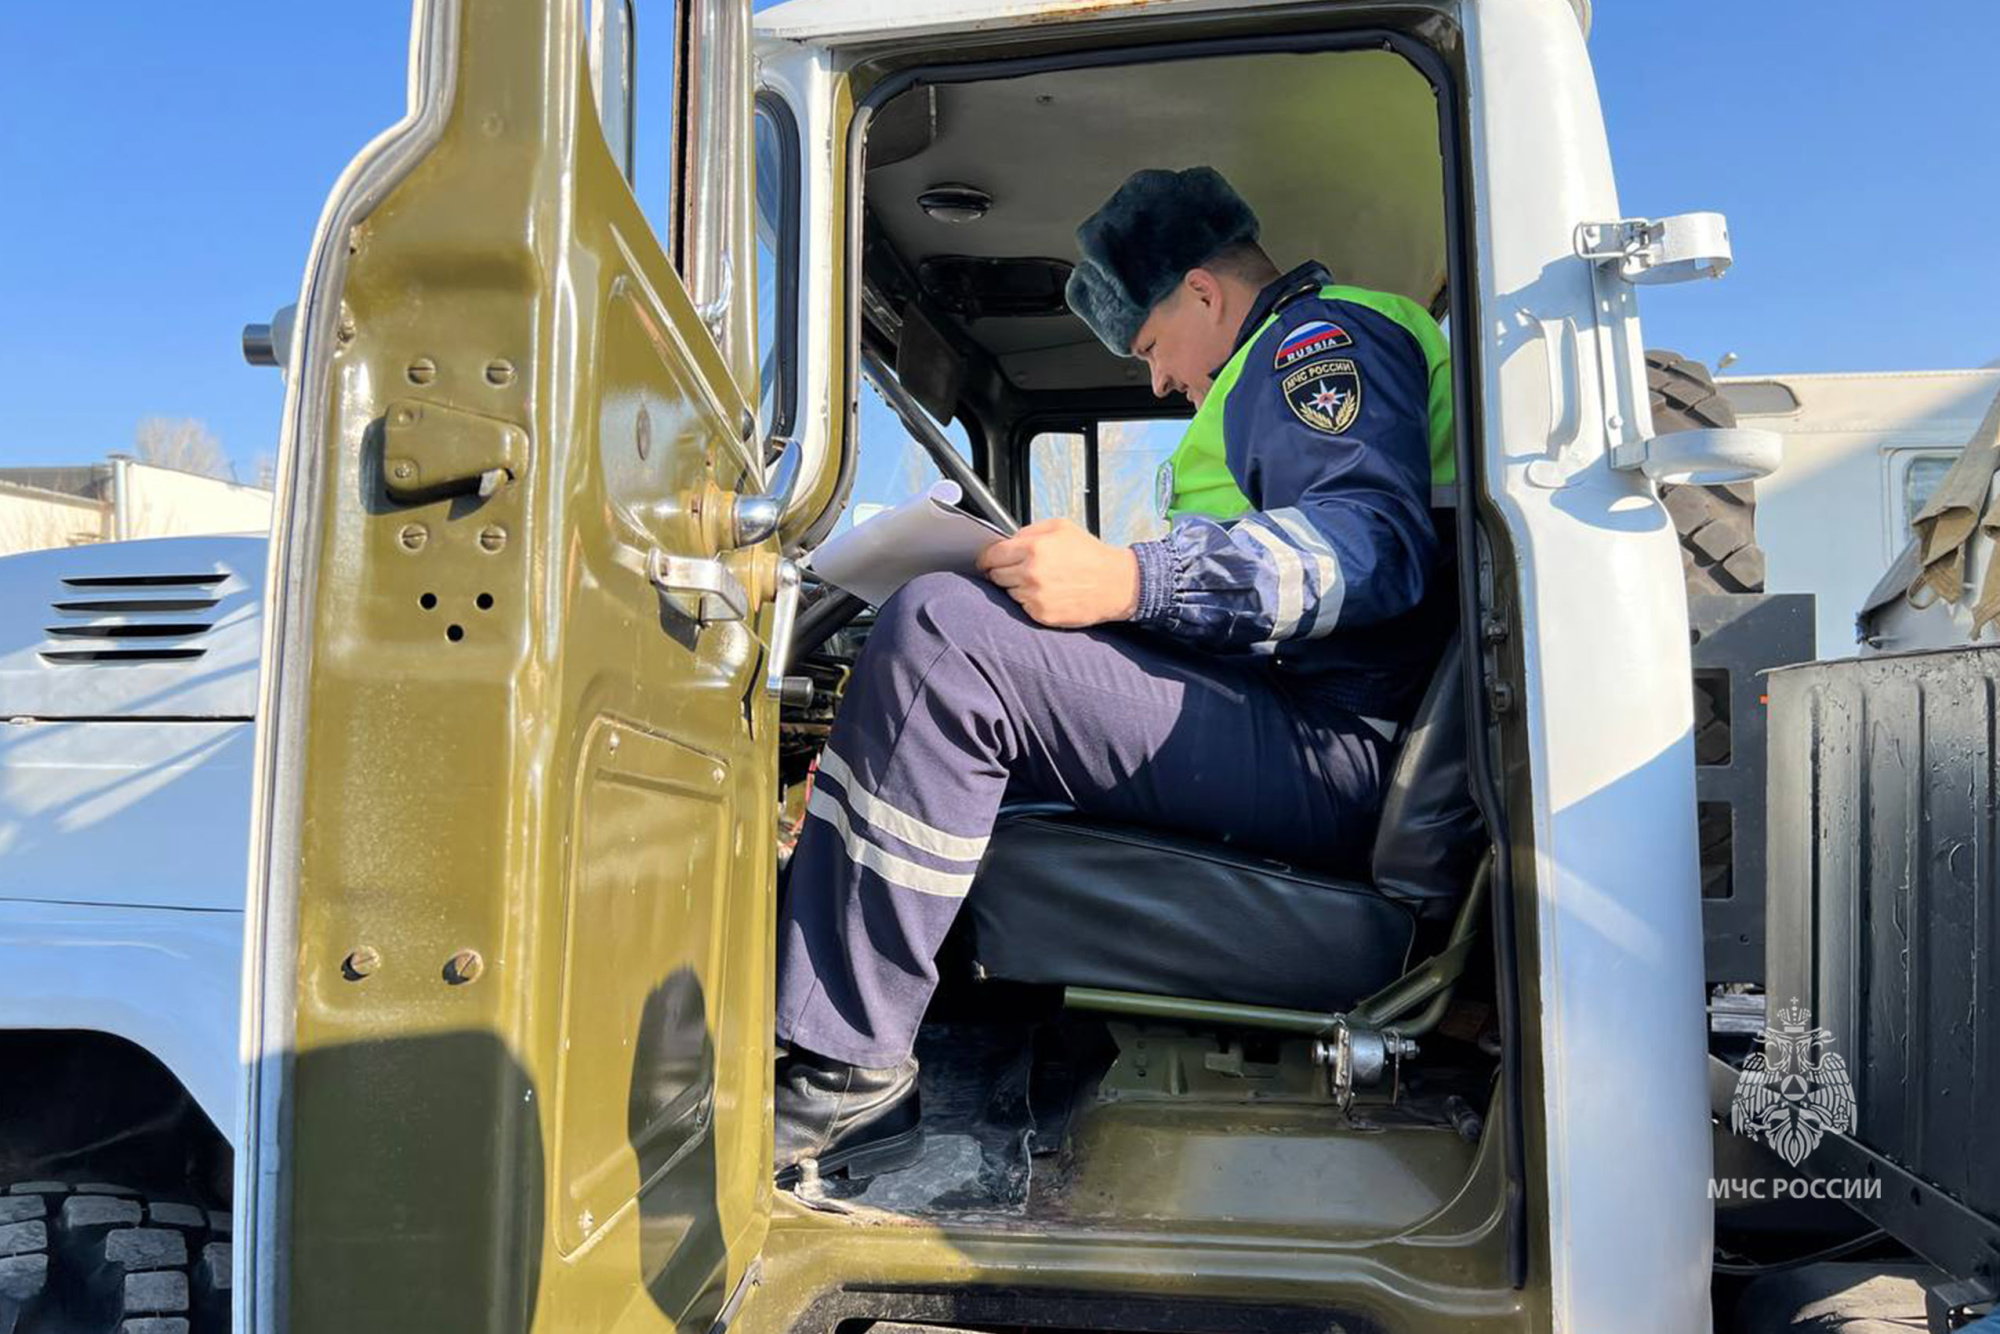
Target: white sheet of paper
[926,532]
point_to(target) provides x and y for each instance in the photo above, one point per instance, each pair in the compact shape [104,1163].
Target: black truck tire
[93,1258]
[1717,524]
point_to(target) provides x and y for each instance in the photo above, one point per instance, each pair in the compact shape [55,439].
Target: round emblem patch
[1325,395]
[1163,488]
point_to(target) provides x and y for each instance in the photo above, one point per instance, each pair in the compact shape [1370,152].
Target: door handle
[710,579]
[430,451]
[781,687]
[752,519]
[756,517]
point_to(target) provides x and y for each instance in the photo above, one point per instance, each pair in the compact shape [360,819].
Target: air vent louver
[144,580]
[122,654]
[128,623]
[137,604]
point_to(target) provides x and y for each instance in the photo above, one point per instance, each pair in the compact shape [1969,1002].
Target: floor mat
[973,1079]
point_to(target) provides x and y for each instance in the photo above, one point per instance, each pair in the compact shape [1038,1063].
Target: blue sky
[163,167]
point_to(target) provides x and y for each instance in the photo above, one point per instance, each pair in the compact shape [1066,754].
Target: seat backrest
[1431,835]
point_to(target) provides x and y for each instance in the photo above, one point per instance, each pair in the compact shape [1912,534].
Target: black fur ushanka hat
[1136,248]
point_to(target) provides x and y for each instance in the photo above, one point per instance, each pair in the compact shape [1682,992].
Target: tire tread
[93,1258]
[1717,524]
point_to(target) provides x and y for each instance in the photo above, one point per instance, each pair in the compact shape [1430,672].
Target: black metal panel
[1884,919]
[1737,638]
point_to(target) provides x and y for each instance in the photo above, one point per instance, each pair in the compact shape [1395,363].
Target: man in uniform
[1280,633]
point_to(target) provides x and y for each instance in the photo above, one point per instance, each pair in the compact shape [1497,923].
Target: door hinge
[1658,250]
[1628,252]
[430,451]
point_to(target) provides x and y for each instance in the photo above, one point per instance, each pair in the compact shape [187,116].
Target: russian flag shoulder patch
[1308,340]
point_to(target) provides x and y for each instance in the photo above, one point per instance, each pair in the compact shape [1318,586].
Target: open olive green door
[509,986]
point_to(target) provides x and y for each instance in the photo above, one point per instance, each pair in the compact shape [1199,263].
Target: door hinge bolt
[1502,695]
[493,537]
[414,536]
[464,966]
[1493,629]
[499,372]
[422,371]
[360,962]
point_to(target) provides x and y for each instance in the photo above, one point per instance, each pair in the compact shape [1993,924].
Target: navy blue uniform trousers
[960,701]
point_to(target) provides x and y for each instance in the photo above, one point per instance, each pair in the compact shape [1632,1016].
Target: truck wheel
[1717,524]
[91,1258]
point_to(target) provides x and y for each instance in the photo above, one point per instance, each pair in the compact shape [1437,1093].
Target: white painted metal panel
[165,979]
[1608,710]
[60,607]
[835,23]
[149,814]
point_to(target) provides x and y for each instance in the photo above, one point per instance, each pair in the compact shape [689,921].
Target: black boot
[862,1122]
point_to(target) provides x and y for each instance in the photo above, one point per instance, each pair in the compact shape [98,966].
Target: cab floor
[1021,1122]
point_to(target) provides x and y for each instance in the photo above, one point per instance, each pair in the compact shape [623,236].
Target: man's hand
[1063,576]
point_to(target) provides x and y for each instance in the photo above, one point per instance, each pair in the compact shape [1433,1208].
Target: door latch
[721,594]
[430,451]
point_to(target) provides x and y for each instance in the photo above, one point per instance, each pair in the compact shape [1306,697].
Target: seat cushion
[1080,903]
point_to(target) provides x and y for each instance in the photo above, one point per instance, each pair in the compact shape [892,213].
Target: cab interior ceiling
[1337,151]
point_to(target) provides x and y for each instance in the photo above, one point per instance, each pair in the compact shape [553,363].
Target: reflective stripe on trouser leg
[904,800]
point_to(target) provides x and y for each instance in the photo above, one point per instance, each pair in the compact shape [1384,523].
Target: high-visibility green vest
[1196,478]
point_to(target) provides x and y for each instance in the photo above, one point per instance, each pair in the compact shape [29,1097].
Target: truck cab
[634,309]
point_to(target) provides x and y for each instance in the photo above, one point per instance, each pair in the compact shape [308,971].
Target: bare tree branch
[182,443]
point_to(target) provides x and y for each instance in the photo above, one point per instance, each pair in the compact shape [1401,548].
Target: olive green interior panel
[635,907]
[532,1051]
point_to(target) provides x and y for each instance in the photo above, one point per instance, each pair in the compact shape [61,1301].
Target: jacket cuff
[1156,581]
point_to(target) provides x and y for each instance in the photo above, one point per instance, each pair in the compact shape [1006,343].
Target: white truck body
[128,686]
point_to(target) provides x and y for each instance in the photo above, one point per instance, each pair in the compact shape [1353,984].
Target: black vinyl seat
[1065,900]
